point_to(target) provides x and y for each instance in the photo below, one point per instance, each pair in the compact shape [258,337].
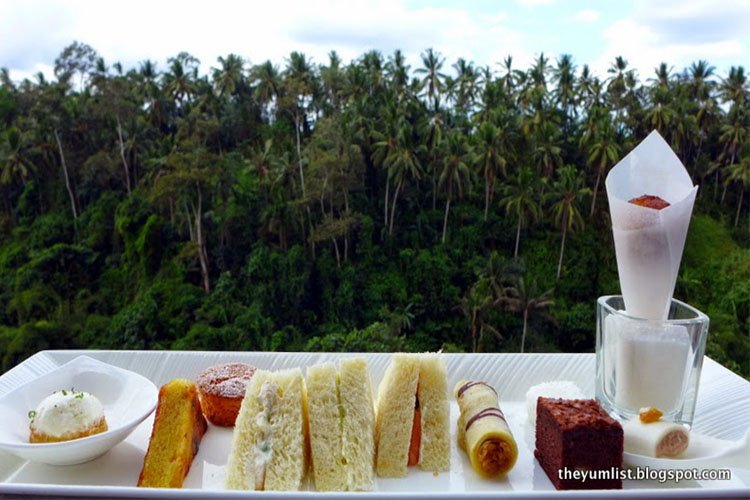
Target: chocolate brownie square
[578,435]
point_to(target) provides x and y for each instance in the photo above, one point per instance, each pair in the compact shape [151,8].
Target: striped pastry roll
[483,432]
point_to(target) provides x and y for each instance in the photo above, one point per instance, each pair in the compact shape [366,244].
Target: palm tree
[538,72]
[298,87]
[5,80]
[491,99]
[734,135]
[400,158]
[276,216]
[475,304]
[663,78]
[520,199]
[385,142]
[526,300]
[155,101]
[547,153]
[734,88]
[465,84]
[603,152]
[567,192]
[661,116]
[584,84]
[700,84]
[373,64]
[512,76]
[267,80]
[564,75]
[618,70]
[432,129]
[397,72]
[229,77]
[706,117]
[179,81]
[433,81]
[492,160]
[14,162]
[300,70]
[618,86]
[455,177]
[740,173]
[332,79]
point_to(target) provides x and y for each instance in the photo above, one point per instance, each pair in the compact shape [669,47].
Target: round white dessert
[562,389]
[67,413]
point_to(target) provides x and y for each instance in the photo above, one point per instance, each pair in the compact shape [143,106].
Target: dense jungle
[372,205]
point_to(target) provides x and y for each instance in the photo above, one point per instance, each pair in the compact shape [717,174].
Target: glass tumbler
[641,363]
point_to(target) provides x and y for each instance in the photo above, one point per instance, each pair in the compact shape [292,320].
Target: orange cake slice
[178,429]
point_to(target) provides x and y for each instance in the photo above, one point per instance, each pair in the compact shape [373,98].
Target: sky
[646,33]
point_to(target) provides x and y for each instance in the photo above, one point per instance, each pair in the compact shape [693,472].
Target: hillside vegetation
[361,206]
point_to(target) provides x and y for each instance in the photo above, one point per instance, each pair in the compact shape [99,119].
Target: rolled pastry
[655,439]
[483,432]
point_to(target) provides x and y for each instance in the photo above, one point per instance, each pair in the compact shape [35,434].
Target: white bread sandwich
[342,426]
[413,413]
[270,440]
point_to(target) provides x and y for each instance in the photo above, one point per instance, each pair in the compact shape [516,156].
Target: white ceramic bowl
[127,397]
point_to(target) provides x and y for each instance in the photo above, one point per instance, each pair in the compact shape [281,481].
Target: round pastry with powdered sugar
[221,389]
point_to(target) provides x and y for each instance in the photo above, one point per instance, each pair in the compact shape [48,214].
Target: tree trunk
[202,254]
[474,341]
[716,183]
[523,333]
[122,155]
[67,178]
[336,251]
[393,207]
[739,207]
[596,190]
[518,237]
[434,184]
[387,199]
[445,218]
[562,250]
[299,156]
[486,197]
[724,191]
[190,223]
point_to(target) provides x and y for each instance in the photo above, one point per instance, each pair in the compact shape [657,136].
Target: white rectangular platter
[723,411]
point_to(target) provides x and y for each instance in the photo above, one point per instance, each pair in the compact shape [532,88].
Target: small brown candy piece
[650,414]
[650,201]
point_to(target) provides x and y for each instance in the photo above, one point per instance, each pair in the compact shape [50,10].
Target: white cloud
[534,3]
[587,16]
[677,32]
[141,29]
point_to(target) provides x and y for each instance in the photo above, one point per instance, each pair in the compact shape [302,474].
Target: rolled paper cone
[648,242]
[483,432]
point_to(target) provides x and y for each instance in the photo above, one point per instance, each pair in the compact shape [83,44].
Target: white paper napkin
[648,242]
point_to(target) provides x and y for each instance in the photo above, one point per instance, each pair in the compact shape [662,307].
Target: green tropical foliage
[361,206]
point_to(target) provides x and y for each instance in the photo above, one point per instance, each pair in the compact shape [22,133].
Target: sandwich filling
[269,399]
[416,434]
[413,415]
